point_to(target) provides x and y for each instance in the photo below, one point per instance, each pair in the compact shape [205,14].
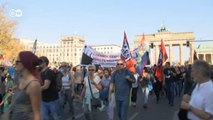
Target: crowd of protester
[31,89]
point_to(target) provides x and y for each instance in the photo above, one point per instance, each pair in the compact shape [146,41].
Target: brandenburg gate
[170,39]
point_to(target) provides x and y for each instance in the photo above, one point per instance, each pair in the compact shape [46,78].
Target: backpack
[57,78]
[57,75]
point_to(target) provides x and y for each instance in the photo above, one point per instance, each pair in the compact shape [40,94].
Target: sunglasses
[91,69]
[41,62]
[120,64]
[18,61]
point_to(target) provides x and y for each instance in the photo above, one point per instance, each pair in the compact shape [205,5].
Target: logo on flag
[125,51]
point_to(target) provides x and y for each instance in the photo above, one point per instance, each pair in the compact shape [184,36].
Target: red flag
[161,59]
[125,51]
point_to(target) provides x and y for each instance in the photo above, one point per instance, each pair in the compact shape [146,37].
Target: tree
[9,46]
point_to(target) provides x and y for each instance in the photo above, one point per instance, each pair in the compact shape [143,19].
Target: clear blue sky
[104,21]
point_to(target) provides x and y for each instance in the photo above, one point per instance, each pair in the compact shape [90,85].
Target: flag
[144,61]
[125,51]
[34,46]
[86,56]
[135,53]
[161,59]
[195,55]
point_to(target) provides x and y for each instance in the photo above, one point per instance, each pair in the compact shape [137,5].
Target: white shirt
[202,98]
[94,89]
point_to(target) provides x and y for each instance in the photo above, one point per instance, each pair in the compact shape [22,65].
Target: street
[155,111]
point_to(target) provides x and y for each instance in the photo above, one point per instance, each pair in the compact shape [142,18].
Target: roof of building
[205,47]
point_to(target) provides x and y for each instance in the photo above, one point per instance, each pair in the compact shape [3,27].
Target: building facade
[205,52]
[68,50]
[107,49]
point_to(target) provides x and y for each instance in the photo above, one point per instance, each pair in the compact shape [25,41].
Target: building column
[181,53]
[204,57]
[151,56]
[156,54]
[212,59]
[191,52]
[170,54]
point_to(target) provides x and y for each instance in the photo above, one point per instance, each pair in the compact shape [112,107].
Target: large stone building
[170,39]
[205,52]
[68,50]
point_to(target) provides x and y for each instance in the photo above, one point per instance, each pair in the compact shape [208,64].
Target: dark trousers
[170,90]
[179,87]
[134,94]
[157,89]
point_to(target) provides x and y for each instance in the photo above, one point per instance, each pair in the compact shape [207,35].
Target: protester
[7,99]
[50,98]
[2,87]
[122,80]
[9,83]
[134,90]
[78,80]
[169,81]
[67,91]
[188,80]
[104,93]
[92,85]
[27,98]
[144,80]
[157,86]
[200,104]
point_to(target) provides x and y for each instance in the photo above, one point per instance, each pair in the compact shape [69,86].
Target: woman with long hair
[27,98]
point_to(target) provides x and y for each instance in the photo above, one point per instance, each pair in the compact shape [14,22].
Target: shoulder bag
[95,102]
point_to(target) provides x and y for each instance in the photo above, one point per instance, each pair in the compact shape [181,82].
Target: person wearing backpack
[67,90]
[50,98]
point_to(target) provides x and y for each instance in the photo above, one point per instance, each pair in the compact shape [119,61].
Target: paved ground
[160,111]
